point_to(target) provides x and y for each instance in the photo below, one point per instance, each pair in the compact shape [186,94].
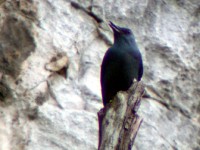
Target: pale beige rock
[57,64]
[43,110]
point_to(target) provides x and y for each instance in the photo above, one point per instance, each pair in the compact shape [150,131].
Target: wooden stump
[119,122]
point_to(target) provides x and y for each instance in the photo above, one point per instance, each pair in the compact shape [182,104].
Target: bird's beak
[114,27]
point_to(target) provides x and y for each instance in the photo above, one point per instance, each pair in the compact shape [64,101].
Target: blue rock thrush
[121,64]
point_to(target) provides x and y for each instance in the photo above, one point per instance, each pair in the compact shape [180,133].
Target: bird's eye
[126,31]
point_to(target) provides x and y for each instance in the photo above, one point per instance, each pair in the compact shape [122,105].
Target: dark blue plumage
[121,64]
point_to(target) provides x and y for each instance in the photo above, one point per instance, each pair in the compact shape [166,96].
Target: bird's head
[121,34]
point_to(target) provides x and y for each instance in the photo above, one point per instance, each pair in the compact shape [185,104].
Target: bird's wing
[134,65]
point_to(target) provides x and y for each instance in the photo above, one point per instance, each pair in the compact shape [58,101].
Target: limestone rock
[57,63]
[44,109]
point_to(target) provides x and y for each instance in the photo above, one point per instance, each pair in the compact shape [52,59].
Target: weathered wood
[119,122]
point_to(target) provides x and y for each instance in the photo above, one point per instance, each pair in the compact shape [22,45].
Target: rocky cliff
[50,57]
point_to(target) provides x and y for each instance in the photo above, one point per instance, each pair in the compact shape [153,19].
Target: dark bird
[121,64]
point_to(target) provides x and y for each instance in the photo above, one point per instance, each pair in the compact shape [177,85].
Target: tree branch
[119,122]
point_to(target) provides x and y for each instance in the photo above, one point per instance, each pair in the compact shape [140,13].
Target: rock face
[42,108]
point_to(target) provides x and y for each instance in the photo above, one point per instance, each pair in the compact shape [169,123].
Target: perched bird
[121,64]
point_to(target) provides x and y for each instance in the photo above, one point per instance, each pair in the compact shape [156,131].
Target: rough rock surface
[56,110]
